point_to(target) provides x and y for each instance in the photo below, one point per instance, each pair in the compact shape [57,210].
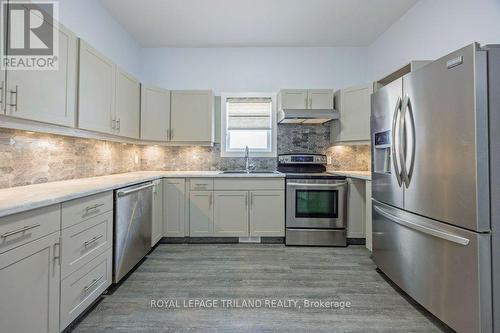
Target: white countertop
[22,198]
[364,175]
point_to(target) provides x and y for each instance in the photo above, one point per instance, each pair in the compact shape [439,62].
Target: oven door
[315,203]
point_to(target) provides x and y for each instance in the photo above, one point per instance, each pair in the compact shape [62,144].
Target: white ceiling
[228,23]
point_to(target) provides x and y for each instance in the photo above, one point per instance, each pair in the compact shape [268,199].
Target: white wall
[91,21]
[254,69]
[433,28]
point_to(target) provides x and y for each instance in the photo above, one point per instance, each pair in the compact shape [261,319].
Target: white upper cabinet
[155,114]
[45,95]
[127,105]
[293,99]
[353,105]
[303,99]
[96,101]
[192,116]
[321,99]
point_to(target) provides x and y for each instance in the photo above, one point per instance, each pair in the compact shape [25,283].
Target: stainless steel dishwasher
[133,219]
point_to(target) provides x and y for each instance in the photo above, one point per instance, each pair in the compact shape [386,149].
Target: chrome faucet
[247,157]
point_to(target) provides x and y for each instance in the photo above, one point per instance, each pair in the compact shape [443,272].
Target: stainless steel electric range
[316,201]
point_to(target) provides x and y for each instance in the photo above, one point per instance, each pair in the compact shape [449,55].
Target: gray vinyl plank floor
[251,272]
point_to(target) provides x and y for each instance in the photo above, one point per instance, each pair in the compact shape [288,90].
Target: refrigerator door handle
[424,229]
[408,137]
[395,158]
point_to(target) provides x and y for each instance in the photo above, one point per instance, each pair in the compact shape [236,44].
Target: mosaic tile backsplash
[38,158]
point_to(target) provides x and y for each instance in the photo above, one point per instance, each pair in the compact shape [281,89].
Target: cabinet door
[30,277]
[173,207]
[231,213]
[201,214]
[267,213]
[157,227]
[294,99]
[96,99]
[356,208]
[192,116]
[355,113]
[46,95]
[155,114]
[320,99]
[127,105]
[368,214]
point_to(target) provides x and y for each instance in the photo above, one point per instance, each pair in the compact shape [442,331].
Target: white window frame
[223,127]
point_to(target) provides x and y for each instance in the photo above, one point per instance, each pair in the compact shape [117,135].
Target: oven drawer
[316,237]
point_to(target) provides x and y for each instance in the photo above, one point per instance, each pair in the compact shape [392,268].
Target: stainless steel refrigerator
[436,188]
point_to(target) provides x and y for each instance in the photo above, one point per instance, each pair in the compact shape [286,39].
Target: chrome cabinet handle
[310,103]
[14,92]
[424,229]
[168,134]
[210,199]
[92,209]
[58,255]
[93,240]
[118,125]
[246,200]
[395,158]
[251,200]
[113,123]
[18,231]
[171,134]
[92,284]
[1,94]
[306,100]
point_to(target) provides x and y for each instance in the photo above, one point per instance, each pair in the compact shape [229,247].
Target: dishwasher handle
[122,193]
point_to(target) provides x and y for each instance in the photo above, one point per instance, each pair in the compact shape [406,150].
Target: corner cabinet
[96,100]
[192,116]
[302,99]
[45,95]
[354,106]
[108,97]
[155,114]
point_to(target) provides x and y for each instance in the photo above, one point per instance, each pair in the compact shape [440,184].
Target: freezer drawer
[444,268]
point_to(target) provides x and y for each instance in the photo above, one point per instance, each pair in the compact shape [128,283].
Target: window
[248,120]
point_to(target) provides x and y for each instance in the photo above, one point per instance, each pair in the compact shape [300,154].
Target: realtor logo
[29,37]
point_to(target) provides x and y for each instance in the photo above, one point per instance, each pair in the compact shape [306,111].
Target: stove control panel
[302,159]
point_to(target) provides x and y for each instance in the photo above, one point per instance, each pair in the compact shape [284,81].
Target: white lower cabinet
[29,280]
[230,213]
[267,213]
[174,206]
[157,221]
[368,214]
[201,214]
[356,208]
[84,286]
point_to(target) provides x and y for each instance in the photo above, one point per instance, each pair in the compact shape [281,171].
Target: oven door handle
[316,185]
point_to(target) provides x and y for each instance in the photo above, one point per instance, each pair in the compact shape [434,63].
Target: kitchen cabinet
[192,116]
[201,214]
[45,95]
[96,92]
[356,208]
[127,105]
[267,213]
[231,213]
[155,114]
[301,99]
[157,223]
[30,278]
[354,107]
[174,203]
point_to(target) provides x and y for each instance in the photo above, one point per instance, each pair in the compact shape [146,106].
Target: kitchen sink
[233,171]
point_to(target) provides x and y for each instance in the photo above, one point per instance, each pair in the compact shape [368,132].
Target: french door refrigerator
[436,188]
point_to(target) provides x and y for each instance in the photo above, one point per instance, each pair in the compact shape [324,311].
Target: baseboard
[216,240]
[356,241]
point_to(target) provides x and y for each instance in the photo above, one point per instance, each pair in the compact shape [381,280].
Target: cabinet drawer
[84,286]
[235,184]
[22,228]
[82,209]
[84,241]
[202,184]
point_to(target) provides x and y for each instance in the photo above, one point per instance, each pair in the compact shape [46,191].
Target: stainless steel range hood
[306,116]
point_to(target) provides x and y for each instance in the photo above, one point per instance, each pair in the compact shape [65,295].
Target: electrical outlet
[328,160]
